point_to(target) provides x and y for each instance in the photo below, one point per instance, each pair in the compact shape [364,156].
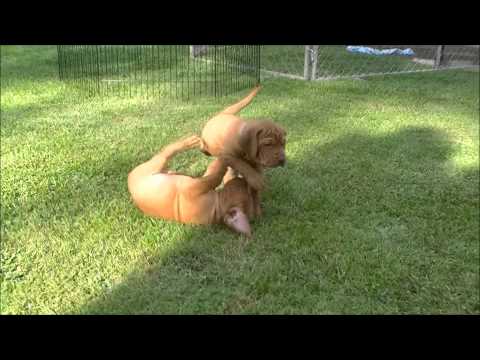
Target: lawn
[377,210]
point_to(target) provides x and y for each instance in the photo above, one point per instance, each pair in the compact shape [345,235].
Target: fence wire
[282,60]
[320,62]
[178,71]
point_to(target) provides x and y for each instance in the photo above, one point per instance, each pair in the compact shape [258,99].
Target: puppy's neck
[241,134]
[218,210]
[234,194]
[240,148]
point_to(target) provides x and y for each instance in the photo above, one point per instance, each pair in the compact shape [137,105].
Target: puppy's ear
[249,141]
[281,133]
[236,220]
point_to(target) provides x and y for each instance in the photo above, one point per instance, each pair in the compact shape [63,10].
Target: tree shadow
[364,224]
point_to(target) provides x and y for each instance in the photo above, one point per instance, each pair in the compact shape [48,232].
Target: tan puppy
[249,146]
[162,194]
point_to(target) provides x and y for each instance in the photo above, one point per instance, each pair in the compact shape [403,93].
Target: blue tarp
[378,52]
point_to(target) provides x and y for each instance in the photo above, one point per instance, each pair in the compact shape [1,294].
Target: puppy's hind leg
[158,164]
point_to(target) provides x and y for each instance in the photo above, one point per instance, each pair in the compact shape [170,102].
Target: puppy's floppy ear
[281,132]
[236,220]
[249,141]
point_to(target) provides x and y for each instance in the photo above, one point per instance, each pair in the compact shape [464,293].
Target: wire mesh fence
[319,62]
[184,71]
[175,71]
[283,60]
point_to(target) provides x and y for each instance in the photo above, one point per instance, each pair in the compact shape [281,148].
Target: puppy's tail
[235,108]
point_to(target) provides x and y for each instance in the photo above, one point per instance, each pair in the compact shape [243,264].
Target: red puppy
[249,146]
[162,194]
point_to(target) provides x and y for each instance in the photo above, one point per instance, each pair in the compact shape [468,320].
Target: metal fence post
[259,57]
[98,70]
[307,71]
[439,56]
[59,59]
[314,61]
[215,69]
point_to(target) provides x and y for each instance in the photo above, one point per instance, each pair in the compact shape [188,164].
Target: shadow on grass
[360,225]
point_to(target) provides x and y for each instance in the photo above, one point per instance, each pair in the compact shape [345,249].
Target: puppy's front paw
[192,141]
[256,181]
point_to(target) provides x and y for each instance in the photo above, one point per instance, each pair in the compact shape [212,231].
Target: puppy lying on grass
[163,194]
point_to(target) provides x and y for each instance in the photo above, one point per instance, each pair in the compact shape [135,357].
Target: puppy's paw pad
[192,141]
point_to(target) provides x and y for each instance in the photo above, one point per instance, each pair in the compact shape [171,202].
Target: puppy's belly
[156,195]
[219,131]
[198,210]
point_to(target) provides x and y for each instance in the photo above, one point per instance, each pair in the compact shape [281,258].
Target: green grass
[377,210]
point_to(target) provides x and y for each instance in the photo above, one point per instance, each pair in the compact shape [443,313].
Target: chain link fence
[320,62]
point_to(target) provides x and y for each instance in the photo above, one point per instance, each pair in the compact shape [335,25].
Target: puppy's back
[221,132]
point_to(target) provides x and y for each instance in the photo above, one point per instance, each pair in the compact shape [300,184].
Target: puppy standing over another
[162,194]
[249,146]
